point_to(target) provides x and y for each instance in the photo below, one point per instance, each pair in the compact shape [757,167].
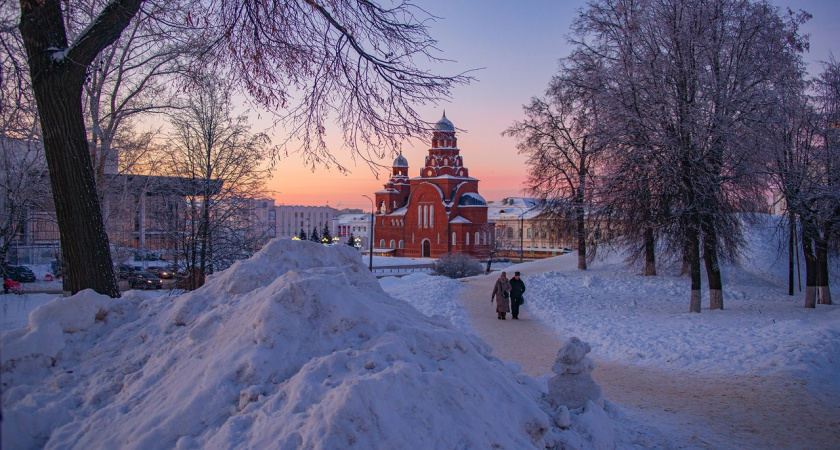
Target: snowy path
[707,411]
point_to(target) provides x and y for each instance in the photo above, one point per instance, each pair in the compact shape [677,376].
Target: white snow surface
[630,318]
[298,347]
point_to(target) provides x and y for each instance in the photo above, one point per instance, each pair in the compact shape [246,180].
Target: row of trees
[95,69]
[671,116]
[325,235]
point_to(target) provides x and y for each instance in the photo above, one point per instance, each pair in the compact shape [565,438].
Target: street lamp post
[372,206]
[521,234]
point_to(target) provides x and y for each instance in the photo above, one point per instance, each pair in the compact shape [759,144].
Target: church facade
[438,212]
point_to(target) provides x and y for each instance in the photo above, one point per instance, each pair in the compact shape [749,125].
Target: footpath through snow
[695,410]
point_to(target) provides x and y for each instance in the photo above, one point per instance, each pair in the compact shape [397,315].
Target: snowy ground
[630,318]
[297,347]
[301,351]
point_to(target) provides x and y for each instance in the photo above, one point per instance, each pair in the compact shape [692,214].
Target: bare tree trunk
[823,290]
[791,253]
[693,257]
[204,241]
[650,253]
[580,218]
[58,71]
[581,240]
[810,269]
[712,268]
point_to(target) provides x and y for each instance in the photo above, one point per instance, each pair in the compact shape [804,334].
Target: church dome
[400,161]
[444,124]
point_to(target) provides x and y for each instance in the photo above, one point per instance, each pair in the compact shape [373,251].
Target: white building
[520,226]
[356,224]
[292,219]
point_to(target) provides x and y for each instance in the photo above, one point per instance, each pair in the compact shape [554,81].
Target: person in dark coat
[501,291]
[517,288]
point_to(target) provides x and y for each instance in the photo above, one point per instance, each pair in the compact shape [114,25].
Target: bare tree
[819,209]
[689,83]
[23,178]
[558,138]
[128,80]
[353,58]
[215,153]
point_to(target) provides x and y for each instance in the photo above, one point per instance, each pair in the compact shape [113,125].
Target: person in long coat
[517,288]
[501,291]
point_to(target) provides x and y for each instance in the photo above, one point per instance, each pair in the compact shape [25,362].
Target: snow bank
[431,295]
[296,347]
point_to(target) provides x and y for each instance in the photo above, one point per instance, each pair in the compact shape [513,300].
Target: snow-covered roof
[460,219]
[444,124]
[399,211]
[348,218]
[471,199]
[400,161]
[387,191]
[513,208]
[443,177]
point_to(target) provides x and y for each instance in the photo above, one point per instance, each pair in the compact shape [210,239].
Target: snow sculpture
[573,385]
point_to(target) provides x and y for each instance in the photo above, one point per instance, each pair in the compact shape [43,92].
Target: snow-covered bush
[457,265]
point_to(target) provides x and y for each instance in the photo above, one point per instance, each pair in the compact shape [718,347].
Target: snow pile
[431,295]
[297,347]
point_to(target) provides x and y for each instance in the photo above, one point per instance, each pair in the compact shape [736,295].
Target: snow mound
[296,347]
[431,295]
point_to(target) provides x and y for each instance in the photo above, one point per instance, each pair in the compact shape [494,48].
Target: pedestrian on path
[517,288]
[501,292]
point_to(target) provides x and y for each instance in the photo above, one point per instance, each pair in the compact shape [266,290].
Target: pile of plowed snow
[297,347]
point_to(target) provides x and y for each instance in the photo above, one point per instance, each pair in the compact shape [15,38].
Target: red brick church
[438,212]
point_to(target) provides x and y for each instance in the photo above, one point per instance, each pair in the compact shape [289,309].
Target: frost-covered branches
[558,136]
[680,91]
[220,161]
[362,63]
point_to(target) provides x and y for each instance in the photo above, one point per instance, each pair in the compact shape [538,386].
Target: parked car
[21,274]
[144,280]
[161,272]
[124,271]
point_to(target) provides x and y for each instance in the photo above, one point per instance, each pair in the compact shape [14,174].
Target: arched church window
[401,244]
[467,238]
[454,238]
[393,243]
[382,243]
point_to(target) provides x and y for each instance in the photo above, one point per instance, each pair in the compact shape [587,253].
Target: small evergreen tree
[314,236]
[326,234]
[302,235]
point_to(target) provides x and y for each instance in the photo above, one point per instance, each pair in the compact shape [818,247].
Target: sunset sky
[518,45]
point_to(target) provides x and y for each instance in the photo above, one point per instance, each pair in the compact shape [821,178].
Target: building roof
[471,199]
[400,161]
[513,208]
[444,124]
[460,219]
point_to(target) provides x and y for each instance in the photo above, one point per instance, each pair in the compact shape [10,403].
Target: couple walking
[508,294]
